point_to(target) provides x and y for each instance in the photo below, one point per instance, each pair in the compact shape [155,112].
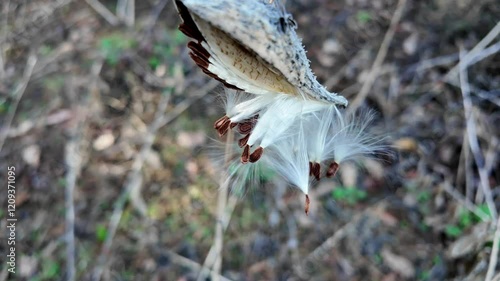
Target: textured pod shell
[266,32]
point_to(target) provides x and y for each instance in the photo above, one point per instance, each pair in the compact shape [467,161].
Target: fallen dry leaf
[398,263]
[410,44]
[406,144]
[104,141]
[470,242]
[31,155]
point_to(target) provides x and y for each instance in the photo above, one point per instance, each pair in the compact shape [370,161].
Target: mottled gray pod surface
[251,45]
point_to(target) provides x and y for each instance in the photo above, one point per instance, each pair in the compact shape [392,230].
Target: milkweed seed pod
[272,98]
[251,45]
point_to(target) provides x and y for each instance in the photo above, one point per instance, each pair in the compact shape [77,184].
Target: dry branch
[73,164]
[178,259]
[465,60]
[494,253]
[103,11]
[382,52]
[18,94]
[473,140]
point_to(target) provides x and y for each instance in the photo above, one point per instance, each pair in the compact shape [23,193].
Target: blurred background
[109,126]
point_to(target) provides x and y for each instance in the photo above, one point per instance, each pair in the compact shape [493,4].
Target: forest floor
[109,125]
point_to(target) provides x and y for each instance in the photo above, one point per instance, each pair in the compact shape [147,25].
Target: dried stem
[466,202]
[18,94]
[73,164]
[465,60]
[325,247]
[221,208]
[382,52]
[224,211]
[103,11]
[185,262]
[3,36]
[494,253]
[472,135]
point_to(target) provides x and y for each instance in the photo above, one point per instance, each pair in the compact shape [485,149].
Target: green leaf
[484,208]
[363,17]
[4,106]
[45,50]
[50,270]
[453,230]
[465,218]
[423,196]
[101,233]
[154,62]
[114,45]
[350,195]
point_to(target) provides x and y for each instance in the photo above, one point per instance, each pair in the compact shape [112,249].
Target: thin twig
[433,62]
[468,204]
[469,192]
[325,247]
[481,55]
[155,14]
[130,19]
[382,52]
[25,127]
[211,256]
[133,180]
[121,9]
[472,135]
[3,36]
[221,208]
[125,11]
[73,164]
[18,94]
[178,259]
[185,104]
[494,253]
[214,257]
[103,11]
[494,32]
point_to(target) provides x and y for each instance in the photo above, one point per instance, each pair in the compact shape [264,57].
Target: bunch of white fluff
[301,140]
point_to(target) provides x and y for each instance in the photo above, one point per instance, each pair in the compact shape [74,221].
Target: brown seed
[308,202]
[223,130]
[255,156]
[245,155]
[222,125]
[332,169]
[315,170]
[220,121]
[243,141]
[245,127]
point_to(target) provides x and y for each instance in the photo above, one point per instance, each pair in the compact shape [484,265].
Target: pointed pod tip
[308,202]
